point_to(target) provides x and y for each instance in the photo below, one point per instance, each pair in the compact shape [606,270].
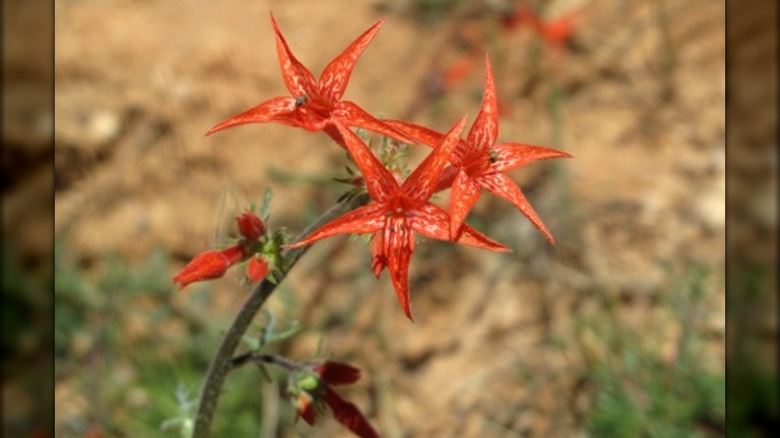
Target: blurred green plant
[135,360]
[433,11]
[752,383]
[26,346]
[641,394]
[22,300]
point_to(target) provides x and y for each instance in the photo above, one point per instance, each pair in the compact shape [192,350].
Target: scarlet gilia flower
[398,210]
[315,104]
[479,163]
[213,264]
[312,390]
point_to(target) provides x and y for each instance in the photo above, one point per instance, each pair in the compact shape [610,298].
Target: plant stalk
[222,362]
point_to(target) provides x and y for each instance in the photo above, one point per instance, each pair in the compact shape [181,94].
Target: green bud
[308,382]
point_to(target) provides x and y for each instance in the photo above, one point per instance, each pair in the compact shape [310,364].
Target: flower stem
[222,362]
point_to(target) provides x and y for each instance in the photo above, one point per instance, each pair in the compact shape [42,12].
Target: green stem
[221,364]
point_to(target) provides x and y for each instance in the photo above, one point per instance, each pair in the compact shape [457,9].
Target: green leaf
[268,330]
[264,210]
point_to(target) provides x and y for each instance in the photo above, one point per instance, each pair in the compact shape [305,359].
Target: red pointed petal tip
[334,78]
[401,285]
[349,415]
[297,78]
[281,109]
[470,236]
[484,131]
[510,156]
[504,187]
[338,373]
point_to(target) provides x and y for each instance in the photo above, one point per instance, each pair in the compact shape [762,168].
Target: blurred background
[618,330]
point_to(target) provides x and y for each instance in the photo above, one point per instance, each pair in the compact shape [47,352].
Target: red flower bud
[304,404]
[250,226]
[208,265]
[257,269]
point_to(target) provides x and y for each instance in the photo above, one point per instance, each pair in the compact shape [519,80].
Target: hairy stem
[222,362]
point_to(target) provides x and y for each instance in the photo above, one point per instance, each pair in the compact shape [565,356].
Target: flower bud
[304,404]
[250,226]
[208,265]
[257,269]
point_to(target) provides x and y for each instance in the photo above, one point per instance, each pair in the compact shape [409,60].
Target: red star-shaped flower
[478,162]
[398,210]
[315,105]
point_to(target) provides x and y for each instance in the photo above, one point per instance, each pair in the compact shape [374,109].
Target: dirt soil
[641,109]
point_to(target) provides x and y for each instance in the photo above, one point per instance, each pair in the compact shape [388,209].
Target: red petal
[465,192]
[510,156]
[504,187]
[207,265]
[367,219]
[380,183]
[422,134]
[470,236]
[484,131]
[349,415]
[334,133]
[298,79]
[337,373]
[350,114]
[431,221]
[278,109]
[378,259]
[335,77]
[398,247]
[257,269]
[421,184]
